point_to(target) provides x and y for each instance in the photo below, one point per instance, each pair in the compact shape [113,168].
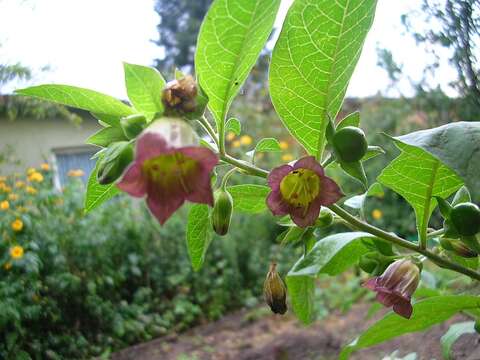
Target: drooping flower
[396,286]
[16,252]
[300,191]
[169,168]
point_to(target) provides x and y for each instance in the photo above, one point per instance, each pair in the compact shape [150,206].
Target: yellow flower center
[16,252]
[170,170]
[300,187]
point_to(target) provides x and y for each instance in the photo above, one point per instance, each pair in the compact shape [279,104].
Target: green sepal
[330,131]
[355,170]
[461,196]
[444,206]
[471,242]
[133,125]
[114,161]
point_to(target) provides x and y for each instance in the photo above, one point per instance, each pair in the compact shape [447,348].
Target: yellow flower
[7,189]
[4,205]
[3,178]
[13,197]
[7,266]
[377,214]
[31,170]
[19,184]
[17,225]
[236,144]
[31,190]
[76,173]
[35,177]
[284,145]
[287,157]
[45,167]
[230,136]
[16,252]
[246,140]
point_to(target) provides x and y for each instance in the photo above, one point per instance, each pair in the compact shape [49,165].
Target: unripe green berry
[222,212]
[350,144]
[133,125]
[114,161]
[466,219]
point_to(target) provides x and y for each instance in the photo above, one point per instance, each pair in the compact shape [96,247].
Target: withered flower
[274,291]
[179,96]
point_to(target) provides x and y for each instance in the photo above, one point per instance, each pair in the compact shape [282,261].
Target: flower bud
[115,160]
[179,96]
[350,144]
[458,248]
[133,125]
[222,212]
[274,291]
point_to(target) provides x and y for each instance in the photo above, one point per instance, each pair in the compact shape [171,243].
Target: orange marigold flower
[16,252]
[35,177]
[13,197]
[31,170]
[284,145]
[31,190]
[17,225]
[246,140]
[4,205]
[76,173]
[377,214]
[45,166]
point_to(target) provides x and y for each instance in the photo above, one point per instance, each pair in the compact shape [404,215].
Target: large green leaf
[426,313]
[313,61]
[144,87]
[231,37]
[332,255]
[199,234]
[97,194]
[452,335]
[79,98]
[249,198]
[301,292]
[457,145]
[418,176]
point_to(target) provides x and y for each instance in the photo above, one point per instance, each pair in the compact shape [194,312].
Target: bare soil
[252,335]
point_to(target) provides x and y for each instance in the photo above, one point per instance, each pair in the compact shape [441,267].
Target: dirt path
[247,336]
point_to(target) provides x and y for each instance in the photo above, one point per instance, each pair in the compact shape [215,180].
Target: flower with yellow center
[76,173]
[20,184]
[31,190]
[17,225]
[377,214]
[236,143]
[45,166]
[13,197]
[246,140]
[284,145]
[31,170]
[4,205]
[7,266]
[16,252]
[35,177]
[230,136]
[287,157]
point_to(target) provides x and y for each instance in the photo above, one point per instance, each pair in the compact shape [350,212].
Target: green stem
[225,178]
[208,128]
[243,165]
[435,233]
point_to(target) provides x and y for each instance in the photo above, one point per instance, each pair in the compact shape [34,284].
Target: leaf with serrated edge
[452,335]
[80,98]
[199,234]
[144,88]
[249,198]
[426,313]
[313,60]
[231,37]
[417,176]
[97,194]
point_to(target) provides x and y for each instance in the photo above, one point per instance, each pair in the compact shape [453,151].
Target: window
[73,158]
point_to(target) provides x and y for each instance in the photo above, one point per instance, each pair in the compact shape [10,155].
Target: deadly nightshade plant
[311,65]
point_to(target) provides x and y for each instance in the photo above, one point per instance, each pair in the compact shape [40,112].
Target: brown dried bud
[179,96]
[274,291]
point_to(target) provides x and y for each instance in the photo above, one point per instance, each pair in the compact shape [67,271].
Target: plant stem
[208,128]
[243,165]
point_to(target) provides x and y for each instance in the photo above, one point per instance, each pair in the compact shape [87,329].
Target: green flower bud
[222,212]
[274,291]
[350,144]
[466,218]
[457,247]
[133,125]
[114,161]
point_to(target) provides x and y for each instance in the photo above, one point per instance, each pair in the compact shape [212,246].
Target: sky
[84,42]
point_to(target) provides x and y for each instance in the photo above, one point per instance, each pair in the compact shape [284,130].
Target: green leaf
[426,313]
[352,119]
[106,136]
[457,145]
[231,37]
[332,255]
[199,234]
[356,171]
[372,152]
[249,198]
[358,202]
[301,291]
[418,177]
[313,60]
[452,335]
[462,196]
[97,194]
[268,145]
[292,235]
[144,88]
[79,98]
[234,126]
[108,120]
